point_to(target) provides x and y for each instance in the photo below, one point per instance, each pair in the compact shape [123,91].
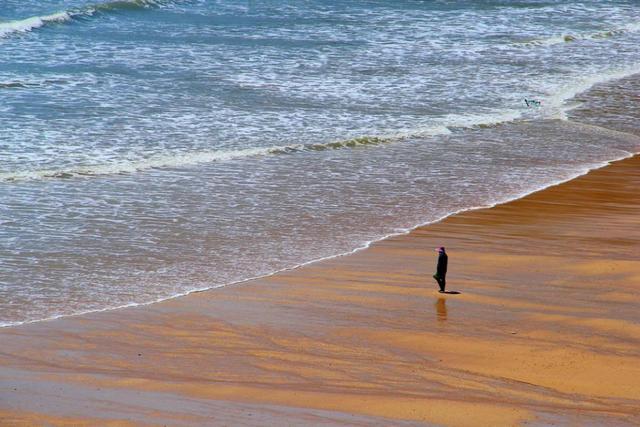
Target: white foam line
[555,105]
[180,160]
[28,24]
[571,38]
[479,120]
[159,161]
[366,245]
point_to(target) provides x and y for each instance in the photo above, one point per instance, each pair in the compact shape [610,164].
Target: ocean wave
[29,24]
[569,38]
[123,5]
[480,121]
[556,106]
[444,126]
[179,160]
[23,84]
[15,85]
[173,160]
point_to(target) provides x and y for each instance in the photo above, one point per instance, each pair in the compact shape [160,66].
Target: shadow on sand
[450,292]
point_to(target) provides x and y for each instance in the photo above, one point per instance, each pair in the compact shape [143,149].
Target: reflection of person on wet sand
[441,270]
[441,309]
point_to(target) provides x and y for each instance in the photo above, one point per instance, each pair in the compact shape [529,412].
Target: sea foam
[569,38]
[28,24]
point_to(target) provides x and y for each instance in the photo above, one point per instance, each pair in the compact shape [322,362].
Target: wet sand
[545,330]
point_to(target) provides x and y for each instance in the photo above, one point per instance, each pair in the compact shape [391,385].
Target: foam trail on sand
[555,105]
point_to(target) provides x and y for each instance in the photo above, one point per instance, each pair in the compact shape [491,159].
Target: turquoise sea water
[152,148]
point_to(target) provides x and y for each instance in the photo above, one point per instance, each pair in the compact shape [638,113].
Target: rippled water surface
[150,148]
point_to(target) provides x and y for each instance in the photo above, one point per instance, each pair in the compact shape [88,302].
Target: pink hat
[440,249]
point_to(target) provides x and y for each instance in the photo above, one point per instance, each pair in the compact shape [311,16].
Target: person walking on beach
[441,270]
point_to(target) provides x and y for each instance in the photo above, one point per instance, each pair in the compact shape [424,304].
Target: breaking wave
[9,28]
[179,160]
[16,85]
[558,96]
[569,38]
[23,84]
[28,24]
[555,103]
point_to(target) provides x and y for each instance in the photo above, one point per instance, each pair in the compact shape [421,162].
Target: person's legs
[443,283]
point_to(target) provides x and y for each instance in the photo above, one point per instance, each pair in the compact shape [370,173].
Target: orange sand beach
[545,331]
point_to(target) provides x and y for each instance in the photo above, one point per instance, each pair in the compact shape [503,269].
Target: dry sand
[546,330]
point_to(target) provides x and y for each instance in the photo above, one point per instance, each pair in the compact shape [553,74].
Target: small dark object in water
[532,102]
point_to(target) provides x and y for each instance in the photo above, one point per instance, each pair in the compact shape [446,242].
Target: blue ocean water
[150,148]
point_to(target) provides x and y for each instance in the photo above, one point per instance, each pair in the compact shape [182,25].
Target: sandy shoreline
[545,330]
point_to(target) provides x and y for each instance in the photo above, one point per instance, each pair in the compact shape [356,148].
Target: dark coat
[443,259]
